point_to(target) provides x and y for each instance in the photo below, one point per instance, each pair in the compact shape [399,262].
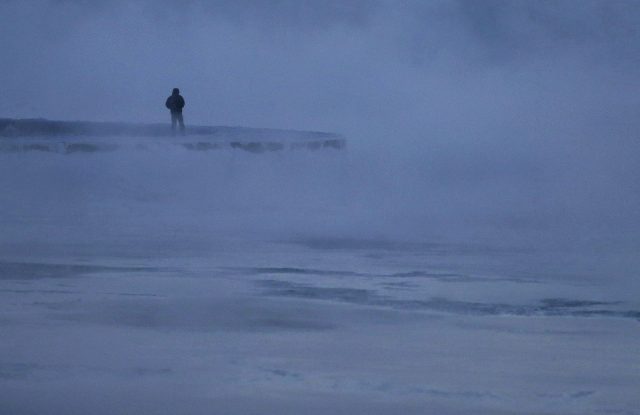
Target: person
[175,103]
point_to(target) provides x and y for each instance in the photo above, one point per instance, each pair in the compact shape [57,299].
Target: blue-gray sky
[317,64]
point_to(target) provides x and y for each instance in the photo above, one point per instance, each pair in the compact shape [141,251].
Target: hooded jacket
[175,102]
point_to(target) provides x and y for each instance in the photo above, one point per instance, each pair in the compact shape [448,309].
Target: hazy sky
[331,65]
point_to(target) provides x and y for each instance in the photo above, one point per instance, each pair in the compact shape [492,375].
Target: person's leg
[181,121]
[174,120]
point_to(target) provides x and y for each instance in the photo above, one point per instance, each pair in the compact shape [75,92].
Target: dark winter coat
[175,103]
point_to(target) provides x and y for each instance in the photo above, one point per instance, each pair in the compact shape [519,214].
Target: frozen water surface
[168,281]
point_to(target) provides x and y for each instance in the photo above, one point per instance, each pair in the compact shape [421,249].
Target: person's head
[176,91]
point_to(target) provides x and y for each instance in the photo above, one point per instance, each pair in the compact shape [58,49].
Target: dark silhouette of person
[175,103]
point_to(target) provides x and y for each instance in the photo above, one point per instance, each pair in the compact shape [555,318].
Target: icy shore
[67,137]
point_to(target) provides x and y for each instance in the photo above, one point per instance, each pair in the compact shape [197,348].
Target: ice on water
[173,281]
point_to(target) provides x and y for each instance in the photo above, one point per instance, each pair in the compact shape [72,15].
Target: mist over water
[480,226]
[352,194]
[506,113]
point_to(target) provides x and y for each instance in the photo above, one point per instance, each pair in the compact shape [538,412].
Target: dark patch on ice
[422,274]
[87,148]
[133,294]
[194,314]
[27,291]
[565,303]
[250,146]
[359,244]
[516,329]
[57,305]
[402,285]
[202,146]
[372,244]
[283,322]
[22,371]
[32,270]
[257,147]
[440,276]
[456,394]
[20,148]
[546,307]
[294,271]
[350,295]
[524,310]
[570,395]
[581,394]
[458,278]
[282,373]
